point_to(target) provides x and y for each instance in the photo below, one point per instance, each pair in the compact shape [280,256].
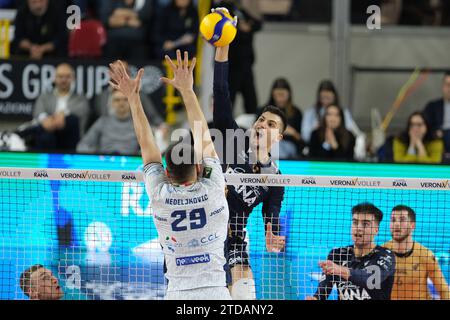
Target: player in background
[415,264]
[190,211]
[362,271]
[248,155]
[39,283]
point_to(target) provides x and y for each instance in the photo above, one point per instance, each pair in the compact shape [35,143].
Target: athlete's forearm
[198,124]
[149,149]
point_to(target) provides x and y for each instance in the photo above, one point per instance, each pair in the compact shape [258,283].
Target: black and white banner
[22,81]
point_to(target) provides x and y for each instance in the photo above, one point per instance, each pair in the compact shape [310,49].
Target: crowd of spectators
[149,29]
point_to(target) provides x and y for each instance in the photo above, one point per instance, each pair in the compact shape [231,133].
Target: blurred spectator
[390,11]
[103,105]
[326,95]
[7,4]
[242,55]
[281,96]
[128,23]
[417,143]
[112,134]
[317,11]
[437,113]
[421,12]
[332,141]
[59,116]
[177,28]
[40,30]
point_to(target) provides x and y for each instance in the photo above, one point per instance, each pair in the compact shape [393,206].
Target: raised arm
[121,81]
[222,113]
[183,81]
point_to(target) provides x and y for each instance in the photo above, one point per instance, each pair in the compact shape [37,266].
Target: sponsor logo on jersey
[194,243]
[216,211]
[160,218]
[185,261]
[207,172]
[40,174]
[348,291]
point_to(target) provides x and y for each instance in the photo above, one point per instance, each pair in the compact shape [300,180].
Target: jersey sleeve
[155,178]
[272,206]
[383,265]
[435,274]
[326,281]
[212,171]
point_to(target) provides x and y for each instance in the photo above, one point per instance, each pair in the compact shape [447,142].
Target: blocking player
[362,271]
[248,155]
[39,283]
[190,210]
[415,264]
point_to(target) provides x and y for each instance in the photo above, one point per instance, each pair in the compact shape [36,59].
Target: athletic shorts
[210,293]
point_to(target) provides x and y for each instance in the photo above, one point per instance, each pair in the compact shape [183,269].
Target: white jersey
[192,224]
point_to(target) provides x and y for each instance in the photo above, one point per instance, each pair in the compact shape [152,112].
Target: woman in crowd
[332,141]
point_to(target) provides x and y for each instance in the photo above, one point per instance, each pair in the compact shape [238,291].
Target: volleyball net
[93,230]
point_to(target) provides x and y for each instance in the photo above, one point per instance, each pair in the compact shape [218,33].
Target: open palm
[183,73]
[120,80]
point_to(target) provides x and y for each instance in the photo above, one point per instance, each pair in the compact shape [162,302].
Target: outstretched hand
[225,11]
[274,243]
[120,80]
[183,73]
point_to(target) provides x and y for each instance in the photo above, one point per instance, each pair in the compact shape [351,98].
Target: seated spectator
[40,30]
[421,12]
[112,134]
[39,283]
[281,97]
[59,116]
[103,105]
[417,143]
[177,28]
[128,23]
[332,141]
[437,113]
[326,95]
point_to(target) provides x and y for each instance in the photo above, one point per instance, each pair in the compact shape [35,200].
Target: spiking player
[190,211]
[363,271]
[249,156]
[415,264]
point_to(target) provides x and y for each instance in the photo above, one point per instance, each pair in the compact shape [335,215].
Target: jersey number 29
[197,219]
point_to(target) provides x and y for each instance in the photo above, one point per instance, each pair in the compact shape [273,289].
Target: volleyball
[218,28]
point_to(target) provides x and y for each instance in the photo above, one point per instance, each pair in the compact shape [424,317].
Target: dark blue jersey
[371,276]
[241,199]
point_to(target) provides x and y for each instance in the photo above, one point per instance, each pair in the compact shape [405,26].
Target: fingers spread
[180,64]
[186,60]
[193,63]
[171,64]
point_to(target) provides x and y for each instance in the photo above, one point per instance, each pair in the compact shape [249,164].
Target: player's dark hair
[447,74]
[25,278]
[180,162]
[277,111]
[411,212]
[368,208]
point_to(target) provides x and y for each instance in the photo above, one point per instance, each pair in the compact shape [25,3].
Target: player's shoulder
[388,245]
[340,252]
[423,252]
[383,251]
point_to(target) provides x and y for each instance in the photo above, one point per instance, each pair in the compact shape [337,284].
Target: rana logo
[399,183]
[41,174]
[130,176]
[309,181]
